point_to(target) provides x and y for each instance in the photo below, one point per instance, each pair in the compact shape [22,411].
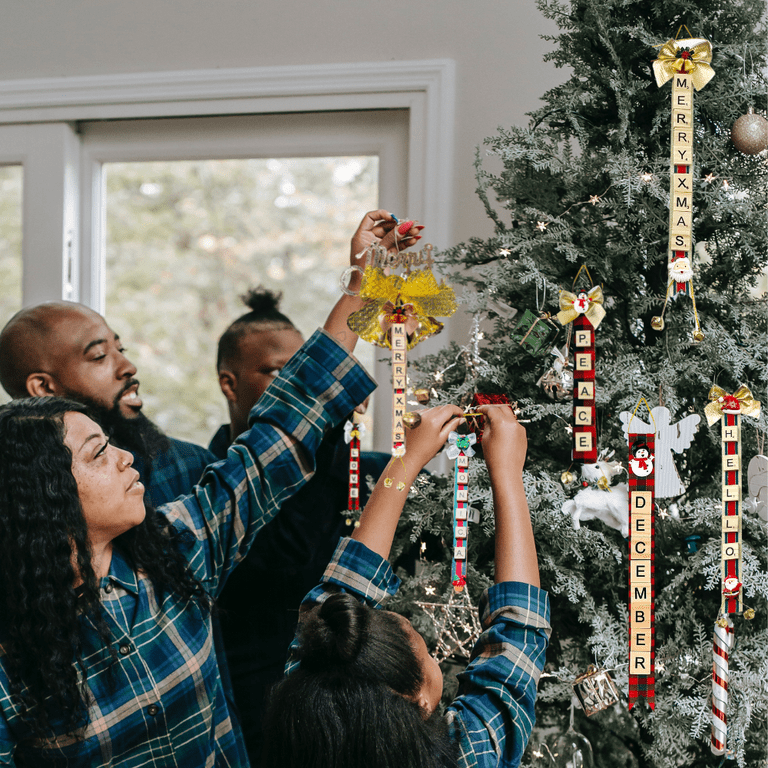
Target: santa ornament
[686,64]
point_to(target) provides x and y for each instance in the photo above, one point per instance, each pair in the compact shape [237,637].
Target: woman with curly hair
[106,647]
[361,688]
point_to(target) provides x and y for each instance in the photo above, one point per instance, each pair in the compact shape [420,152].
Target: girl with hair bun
[362,691]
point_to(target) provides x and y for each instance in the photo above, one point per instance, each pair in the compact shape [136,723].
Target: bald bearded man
[66,349]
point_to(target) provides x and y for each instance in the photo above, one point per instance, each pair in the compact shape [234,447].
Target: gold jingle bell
[722,623]
[567,478]
[698,336]
[421,395]
[657,323]
[412,419]
[749,614]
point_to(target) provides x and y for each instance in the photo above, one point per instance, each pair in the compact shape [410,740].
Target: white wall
[495,43]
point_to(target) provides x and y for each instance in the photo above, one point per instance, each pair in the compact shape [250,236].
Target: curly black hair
[43,548]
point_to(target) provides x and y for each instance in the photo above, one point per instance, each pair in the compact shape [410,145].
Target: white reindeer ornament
[601,500]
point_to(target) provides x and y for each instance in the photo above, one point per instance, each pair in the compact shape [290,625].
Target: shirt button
[124,649]
[153,709]
[108,588]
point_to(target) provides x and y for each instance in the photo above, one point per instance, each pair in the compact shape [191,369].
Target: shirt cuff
[361,572]
[522,603]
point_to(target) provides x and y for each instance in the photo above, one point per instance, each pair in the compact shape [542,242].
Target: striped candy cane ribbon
[461,450]
[721,649]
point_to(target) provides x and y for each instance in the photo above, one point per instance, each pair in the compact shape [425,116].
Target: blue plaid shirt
[164,704]
[492,717]
[174,472]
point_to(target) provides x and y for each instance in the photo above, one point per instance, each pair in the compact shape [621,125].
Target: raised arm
[376,225]
[379,519]
[504,448]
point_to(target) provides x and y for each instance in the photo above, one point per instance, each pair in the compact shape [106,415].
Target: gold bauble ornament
[567,478]
[749,133]
[412,419]
[698,336]
[749,614]
[657,323]
[421,395]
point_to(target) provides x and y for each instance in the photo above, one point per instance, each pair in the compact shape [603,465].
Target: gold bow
[671,61]
[391,293]
[595,312]
[748,406]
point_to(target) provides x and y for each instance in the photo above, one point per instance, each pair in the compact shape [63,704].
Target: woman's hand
[380,226]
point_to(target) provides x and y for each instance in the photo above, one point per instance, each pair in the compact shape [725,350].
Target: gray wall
[495,43]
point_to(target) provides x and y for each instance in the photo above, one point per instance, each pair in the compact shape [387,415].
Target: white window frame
[38,127]
[62,189]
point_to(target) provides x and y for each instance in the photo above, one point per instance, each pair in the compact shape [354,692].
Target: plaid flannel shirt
[493,715]
[174,472]
[164,705]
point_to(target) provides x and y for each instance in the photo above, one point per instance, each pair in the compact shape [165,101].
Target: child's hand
[504,439]
[424,441]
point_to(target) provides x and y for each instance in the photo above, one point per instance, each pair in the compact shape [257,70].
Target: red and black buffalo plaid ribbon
[642,576]
[732,567]
[584,414]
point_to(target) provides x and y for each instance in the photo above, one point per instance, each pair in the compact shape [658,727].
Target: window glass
[185,239]
[11,179]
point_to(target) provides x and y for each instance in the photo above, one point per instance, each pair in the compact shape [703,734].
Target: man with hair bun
[259,605]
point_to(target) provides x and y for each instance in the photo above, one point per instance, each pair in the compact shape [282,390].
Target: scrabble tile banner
[642,576]
[399,384]
[585,310]
[584,411]
[686,64]
[461,450]
[729,410]
[352,434]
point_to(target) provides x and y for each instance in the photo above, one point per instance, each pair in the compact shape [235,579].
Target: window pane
[11,177]
[185,239]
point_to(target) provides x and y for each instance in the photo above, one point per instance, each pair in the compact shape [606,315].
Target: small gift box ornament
[534,333]
[595,690]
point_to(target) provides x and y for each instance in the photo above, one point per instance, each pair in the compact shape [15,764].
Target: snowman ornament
[581,303]
[641,463]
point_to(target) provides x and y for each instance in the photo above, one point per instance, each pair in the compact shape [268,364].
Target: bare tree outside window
[186,238]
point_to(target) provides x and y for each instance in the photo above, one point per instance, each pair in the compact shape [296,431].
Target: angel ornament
[669,437]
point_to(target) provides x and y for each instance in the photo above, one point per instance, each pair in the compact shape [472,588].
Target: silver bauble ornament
[750,133]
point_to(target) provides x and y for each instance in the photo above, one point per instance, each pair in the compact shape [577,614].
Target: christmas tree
[587,183]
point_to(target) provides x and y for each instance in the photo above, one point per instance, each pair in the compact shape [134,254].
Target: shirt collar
[121,573]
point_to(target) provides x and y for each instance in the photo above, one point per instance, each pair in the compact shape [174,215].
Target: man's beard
[138,435]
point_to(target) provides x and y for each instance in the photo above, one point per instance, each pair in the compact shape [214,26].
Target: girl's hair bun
[335,632]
